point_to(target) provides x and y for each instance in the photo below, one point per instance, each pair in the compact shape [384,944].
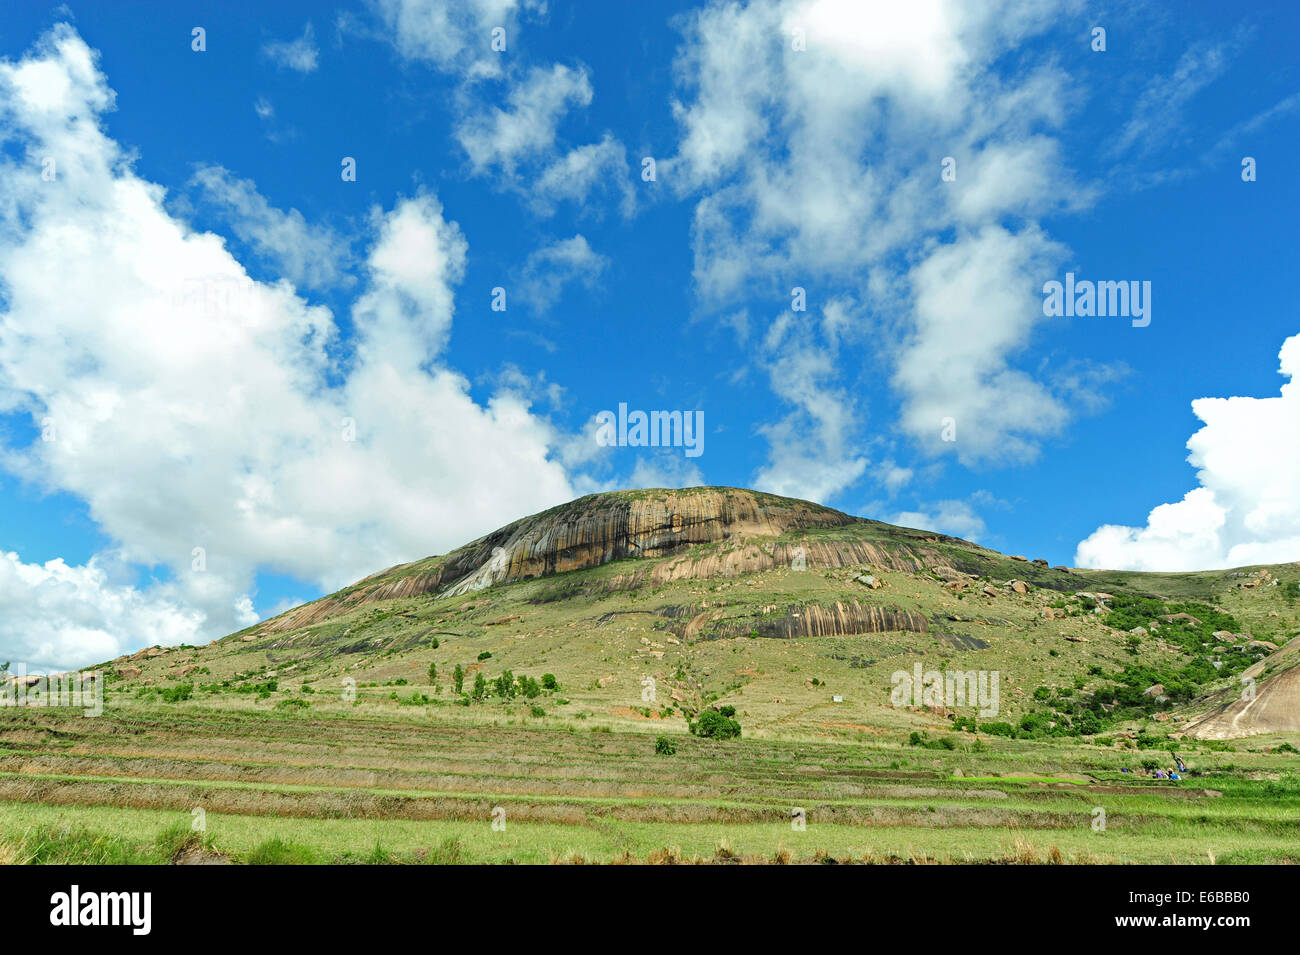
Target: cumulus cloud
[1245,510]
[549,269]
[585,171]
[534,107]
[453,35]
[812,451]
[59,617]
[191,406]
[974,306]
[956,518]
[311,257]
[812,134]
[508,114]
[299,55]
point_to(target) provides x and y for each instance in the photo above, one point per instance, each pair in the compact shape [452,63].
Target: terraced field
[535,696]
[286,787]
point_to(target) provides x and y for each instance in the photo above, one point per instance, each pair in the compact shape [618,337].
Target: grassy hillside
[396,725]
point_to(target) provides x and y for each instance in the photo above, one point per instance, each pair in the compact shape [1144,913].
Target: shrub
[177,693]
[549,682]
[458,679]
[485,655]
[504,686]
[713,725]
[665,746]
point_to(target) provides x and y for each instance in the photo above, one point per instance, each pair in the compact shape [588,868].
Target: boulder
[1018,557]
[1155,689]
[128,673]
[1181,617]
[1223,636]
[990,590]
[1139,632]
[1019,586]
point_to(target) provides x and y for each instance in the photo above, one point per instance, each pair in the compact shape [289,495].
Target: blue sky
[197,301]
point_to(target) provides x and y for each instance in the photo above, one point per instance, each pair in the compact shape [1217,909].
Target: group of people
[1177,773]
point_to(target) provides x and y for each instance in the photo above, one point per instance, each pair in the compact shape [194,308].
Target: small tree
[549,682]
[480,685]
[714,725]
[458,679]
[433,673]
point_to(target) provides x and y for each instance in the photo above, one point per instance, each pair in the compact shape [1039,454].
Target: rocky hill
[798,613]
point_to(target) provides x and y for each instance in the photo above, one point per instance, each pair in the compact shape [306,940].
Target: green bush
[665,746]
[713,725]
[177,693]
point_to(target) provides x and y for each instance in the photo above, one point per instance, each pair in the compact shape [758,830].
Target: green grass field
[400,787]
[339,732]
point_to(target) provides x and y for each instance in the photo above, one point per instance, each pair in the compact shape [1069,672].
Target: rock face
[842,618]
[601,528]
[1272,707]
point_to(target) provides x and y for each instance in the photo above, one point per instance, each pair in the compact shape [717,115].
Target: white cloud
[499,138]
[299,55]
[309,256]
[812,449]
[956,518]
[1158,112]
[55,617]
[517,143]
[221,420]
[821,167]
[581,172]
[665,468]
[974,305]
[549,269]
[453,35]
[1246,509]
